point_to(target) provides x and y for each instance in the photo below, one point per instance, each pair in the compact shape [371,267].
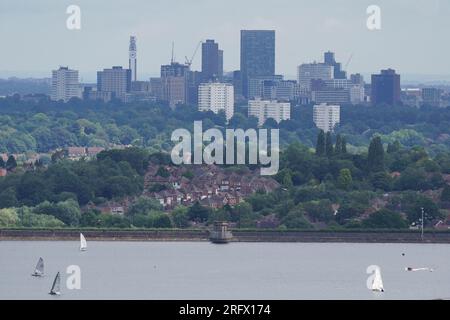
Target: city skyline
[303,33]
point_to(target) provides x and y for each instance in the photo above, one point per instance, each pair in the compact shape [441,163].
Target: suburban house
[212,186]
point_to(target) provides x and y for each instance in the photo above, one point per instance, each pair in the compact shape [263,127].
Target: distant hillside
[24,86]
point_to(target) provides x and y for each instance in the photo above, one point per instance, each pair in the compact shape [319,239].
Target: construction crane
[189,61]
[173,49]
[348,62]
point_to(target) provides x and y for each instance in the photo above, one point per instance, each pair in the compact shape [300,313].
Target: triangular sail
[83,243]
[39,270]
[56,284]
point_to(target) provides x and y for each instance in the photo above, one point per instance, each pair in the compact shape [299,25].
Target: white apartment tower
[265,109]
[215,97]
[133,58]
[326,117]
[65,84]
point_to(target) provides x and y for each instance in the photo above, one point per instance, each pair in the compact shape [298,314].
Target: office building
[385,88]
[357,94]
[156,88]
[330,60]
[195,78]
[89,93]
[216,97]
[175,83]
[257,55]
[266,109]
[313,71]
[411,97]
[221,77]
[331,96]
[133,58]
[255,85]
[367,92]
[357,78]
[140,86]
[338,83]
[116,80]
[140,92]
[174,69]
[280,90]
[65,84]
[212,61]
[175,90]
[336,91]
[432,96]
[326,117]
[237,84]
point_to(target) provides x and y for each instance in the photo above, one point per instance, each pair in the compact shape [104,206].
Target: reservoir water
[200,270]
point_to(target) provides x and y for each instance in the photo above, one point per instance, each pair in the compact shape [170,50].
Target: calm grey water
[186,270]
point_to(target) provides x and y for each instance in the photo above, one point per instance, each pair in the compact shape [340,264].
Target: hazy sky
[414,38]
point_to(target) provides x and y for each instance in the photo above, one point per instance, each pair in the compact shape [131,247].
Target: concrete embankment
[105,235]
[239,236]
[342,236]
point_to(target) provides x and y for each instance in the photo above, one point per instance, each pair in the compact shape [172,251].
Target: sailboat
[39,270]
[55,291]
[83,243]
[377,284]
[419,269]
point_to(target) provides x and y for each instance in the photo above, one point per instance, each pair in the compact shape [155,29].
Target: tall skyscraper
[326,117]
[385,88]
[116,80]
[212,61]
[330,60]
[216,97]
[257,55]
[133,58]
[65,84]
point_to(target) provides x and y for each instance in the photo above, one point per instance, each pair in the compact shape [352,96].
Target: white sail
[56,287]
[39,270]
[83,243]
[377,284]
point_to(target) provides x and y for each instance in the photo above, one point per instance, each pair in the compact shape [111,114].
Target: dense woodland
[387,187]
[46,126]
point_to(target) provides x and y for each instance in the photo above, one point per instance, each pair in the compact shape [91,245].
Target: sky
[414,35]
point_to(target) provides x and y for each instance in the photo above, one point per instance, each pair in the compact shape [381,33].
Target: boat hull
[220,241]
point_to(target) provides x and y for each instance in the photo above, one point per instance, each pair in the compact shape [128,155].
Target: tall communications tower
[133,59]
